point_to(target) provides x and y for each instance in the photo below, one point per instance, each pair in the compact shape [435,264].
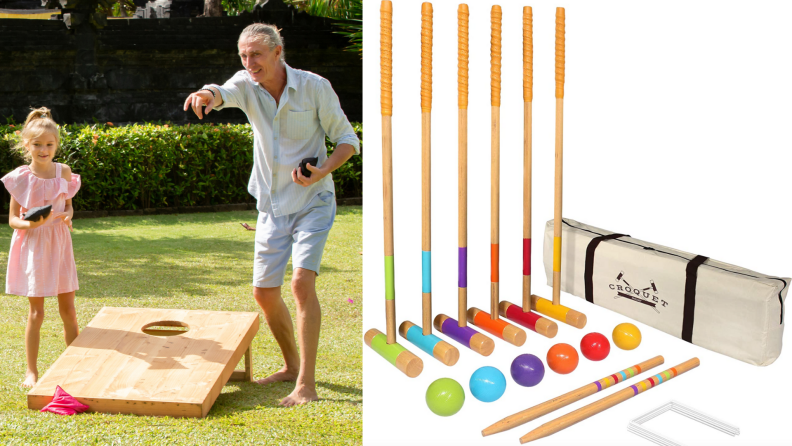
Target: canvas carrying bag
[721,307]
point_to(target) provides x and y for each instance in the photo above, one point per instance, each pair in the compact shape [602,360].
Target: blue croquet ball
[487,384]
[445,397]
[527,370]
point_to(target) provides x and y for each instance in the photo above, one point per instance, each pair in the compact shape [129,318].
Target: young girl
[41,261]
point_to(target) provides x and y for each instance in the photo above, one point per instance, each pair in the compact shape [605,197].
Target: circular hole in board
[165,328]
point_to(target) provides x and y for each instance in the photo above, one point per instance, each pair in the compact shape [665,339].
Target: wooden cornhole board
[114,367]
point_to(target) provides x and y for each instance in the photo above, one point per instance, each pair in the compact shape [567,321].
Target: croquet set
[723,308]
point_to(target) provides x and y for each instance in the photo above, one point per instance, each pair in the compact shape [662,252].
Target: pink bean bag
[64,404]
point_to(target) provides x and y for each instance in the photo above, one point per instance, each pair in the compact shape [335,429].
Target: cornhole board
[118,364]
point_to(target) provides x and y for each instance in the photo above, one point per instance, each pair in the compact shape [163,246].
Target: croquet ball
[626,336]
[562,358]
[595,347]
[487,384]
[445,397]
[527,370]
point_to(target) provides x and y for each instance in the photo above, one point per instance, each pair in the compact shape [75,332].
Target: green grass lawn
[194,261]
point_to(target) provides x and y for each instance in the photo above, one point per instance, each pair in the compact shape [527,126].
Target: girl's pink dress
[41,261]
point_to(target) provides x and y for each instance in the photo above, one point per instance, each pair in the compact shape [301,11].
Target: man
[290,112]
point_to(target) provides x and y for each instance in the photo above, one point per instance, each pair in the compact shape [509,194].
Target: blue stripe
[426,263]
[426,343]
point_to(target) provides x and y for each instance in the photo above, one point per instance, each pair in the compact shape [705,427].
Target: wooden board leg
[249,364]
[247,374]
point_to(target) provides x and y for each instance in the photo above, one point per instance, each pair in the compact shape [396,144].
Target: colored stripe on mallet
[406,362]
[558,312]
[496,327]
[466,336]
[431,344]
[529,320]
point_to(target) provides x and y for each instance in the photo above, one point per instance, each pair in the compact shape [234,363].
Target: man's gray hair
[265,34]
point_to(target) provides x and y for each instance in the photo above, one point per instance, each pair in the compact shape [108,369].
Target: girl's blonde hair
[38,122]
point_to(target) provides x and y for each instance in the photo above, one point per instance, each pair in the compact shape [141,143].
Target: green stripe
[390,290]
[387,351]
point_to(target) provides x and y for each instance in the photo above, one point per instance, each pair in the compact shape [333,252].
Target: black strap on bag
[690,297]
[588,274]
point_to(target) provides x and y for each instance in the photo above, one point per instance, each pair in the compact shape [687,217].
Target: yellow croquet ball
[626,336]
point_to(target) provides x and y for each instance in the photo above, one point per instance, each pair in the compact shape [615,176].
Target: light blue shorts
[301,236]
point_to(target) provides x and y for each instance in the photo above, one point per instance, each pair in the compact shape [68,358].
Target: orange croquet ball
[562,358]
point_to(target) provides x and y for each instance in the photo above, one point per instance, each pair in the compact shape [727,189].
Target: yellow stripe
[42,16]
[557,254]
[546,307]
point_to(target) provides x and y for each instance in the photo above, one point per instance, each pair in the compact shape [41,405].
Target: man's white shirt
[285,133]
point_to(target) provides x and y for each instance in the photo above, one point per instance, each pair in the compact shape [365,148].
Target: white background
[677,130]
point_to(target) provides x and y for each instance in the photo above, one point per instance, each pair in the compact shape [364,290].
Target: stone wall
[138,70]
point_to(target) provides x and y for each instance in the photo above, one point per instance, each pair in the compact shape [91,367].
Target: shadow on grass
[249,396]
[105,223]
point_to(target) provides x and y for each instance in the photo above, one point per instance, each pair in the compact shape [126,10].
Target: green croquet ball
[445,397]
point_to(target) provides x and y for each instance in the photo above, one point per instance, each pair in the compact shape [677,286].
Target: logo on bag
[649,296]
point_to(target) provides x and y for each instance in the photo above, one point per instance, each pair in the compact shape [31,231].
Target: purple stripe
[635,389]
[599,386]
[457,333]
[463,267]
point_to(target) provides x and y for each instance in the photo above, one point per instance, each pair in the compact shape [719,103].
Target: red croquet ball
[595,347]
[562,358]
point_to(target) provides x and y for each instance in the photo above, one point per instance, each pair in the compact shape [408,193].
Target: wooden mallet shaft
[459,330]
[553,308]
[527,154]
[559,151]
[495,85]
[422,336]
[386,345]
[426,164]
[462,84]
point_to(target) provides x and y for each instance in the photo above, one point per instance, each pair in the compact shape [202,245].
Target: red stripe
[526,257]
[527,320]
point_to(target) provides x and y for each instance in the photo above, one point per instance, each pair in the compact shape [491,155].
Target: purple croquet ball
[527,370]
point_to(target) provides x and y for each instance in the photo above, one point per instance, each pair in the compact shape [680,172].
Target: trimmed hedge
[155,165]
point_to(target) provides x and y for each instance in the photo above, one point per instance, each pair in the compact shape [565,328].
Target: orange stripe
[486,323]
[495,263]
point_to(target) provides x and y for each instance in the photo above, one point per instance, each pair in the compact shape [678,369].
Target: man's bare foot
[30,379]
[281,375]
[301,395]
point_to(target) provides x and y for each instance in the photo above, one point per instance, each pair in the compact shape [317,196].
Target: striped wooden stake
[386,345]
[566,399]
[592,409]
